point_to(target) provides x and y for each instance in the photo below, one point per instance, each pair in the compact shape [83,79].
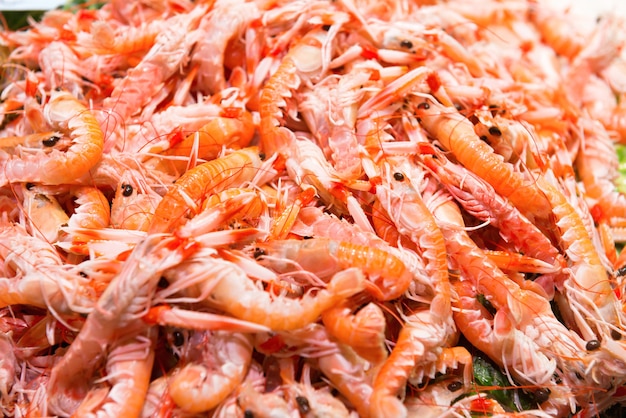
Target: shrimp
[456,134]
[304,60]
[323,257]
[399,195]
[224,358]
[332,119]
[228,288]
[514,323]
[263,405]
[226,20]
[234,129]
[481,201]
[142,82]
[119,307]
[93,209]
[211,177]
[364,331]
[40,278]
[67,115]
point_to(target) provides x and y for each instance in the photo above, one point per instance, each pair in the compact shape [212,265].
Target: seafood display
[315,208]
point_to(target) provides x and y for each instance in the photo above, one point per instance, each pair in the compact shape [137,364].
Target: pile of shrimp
[283,208]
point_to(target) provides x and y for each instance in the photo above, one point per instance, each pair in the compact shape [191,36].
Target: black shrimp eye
[262,156]
[616,335]
[495,131]
[423,105]
[542,395]
[592,345]
[29,186]
[303,404]
[178,338]
[258,252]
[127,190]
[621,271]
[83,274]
[454,386]
[398,176]
[326,28]
[163,283]
[405,43]
[50,142]
[248,414]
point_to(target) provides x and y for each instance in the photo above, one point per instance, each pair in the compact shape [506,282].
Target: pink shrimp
[67,115]
[226,20]
[324,257]
[234,129]
[119,307]
[142,82]
[226,286]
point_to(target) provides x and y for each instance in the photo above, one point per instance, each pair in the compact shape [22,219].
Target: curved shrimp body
[456,134]
[192,187]
[222,366]
[325,257]
[364,331]
[233,130]
[226,20]
[303,60]
[93,210]
[419,342]
[243,300]
[70,117]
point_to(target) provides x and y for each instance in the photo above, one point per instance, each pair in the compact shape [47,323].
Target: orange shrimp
[192,187]
[70,117]
[234,129]
[420,337]
[364,331]
[45,215]
[305,59]
[389,276]
[227,287]
[456,134]
[221,367]
[201,321]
